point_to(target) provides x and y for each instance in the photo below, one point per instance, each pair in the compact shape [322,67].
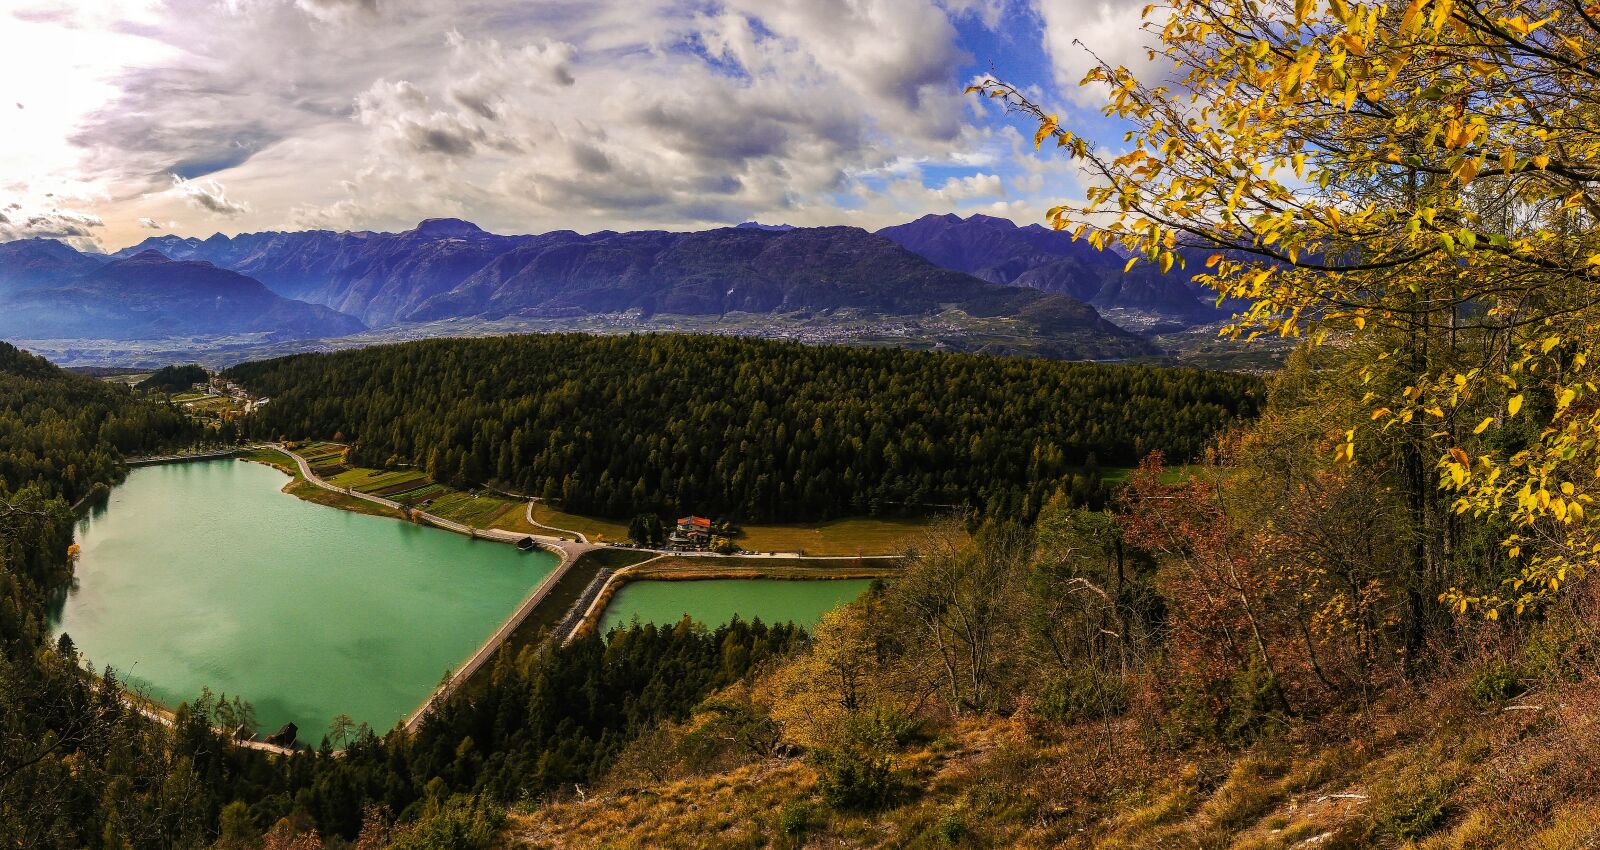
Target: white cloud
[338,11]
[1077,33]
[972,186]
[523,117]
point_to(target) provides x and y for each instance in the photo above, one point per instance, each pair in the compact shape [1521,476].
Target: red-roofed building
[694,530]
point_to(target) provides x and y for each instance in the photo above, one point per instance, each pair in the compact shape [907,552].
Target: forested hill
[750,429]
[62,742]
[61,433]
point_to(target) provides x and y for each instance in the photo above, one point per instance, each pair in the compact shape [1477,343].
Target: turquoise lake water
[204,574]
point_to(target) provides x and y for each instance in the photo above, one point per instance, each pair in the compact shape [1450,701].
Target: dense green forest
[61,435]
[748,429]
[174,378]
[79,768]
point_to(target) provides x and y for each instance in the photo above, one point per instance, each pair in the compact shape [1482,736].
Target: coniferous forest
[750,429]
[79,767]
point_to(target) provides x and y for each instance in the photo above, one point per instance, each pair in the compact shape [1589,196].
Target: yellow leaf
[1484,425]
[1045,129]
[1515,404]
[1131,261]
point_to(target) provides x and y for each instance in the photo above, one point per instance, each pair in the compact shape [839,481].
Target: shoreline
[753,566]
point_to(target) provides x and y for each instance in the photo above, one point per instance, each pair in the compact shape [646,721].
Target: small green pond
[204,574]
[717,601]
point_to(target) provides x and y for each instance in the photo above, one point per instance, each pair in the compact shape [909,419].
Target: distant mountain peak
[443,228]
[145,257]
[756,225]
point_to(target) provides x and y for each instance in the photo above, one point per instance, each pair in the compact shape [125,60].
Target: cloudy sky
[128,118]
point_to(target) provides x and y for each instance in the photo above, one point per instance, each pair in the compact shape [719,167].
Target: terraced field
[487,509]
[481,509]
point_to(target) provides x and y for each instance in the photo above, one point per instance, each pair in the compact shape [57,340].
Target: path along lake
[203,574]
[716,601]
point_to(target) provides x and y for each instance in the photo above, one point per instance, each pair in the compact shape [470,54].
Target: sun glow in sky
[129,118]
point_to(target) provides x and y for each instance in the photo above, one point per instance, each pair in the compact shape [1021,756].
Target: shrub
[1416,812]
[1083,694]
[1493,683]
[855,781]
[1254,703]
[794,819]
[458,824]
[1555,651]
[1237,710]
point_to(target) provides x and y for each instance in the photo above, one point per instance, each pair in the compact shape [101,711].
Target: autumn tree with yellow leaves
[1414,183]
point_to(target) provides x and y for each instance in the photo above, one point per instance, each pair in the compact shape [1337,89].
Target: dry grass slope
[1439,772]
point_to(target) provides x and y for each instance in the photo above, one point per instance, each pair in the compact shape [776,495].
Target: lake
[716,601]
[204,574]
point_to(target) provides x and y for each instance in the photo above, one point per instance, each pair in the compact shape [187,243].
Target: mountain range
[998,251]
[316,283]
[50,291]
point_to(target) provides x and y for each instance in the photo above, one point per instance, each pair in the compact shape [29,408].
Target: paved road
[448,524]
[487,650]
[532,521]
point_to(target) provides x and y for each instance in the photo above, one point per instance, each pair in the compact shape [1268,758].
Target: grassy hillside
[1438,771]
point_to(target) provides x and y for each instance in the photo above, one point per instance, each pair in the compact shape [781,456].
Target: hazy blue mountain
[747,270]
[27,263]
[449,269]
[998,251]
[148,296]
[375,276]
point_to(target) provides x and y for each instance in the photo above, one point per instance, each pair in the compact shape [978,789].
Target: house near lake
[691,531]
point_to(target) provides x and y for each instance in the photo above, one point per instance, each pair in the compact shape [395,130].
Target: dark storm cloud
[475,102]
[210,196]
